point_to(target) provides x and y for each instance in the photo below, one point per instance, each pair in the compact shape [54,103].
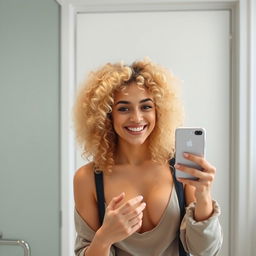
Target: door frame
[243,121]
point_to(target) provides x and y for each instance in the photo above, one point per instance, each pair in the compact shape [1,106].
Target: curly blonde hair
[93,106]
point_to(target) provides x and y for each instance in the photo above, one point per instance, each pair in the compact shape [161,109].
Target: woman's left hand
[202,185]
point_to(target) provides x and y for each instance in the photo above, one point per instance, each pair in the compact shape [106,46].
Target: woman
[127,200]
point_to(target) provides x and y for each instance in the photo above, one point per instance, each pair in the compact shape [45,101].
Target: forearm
[203,208]
[99,246]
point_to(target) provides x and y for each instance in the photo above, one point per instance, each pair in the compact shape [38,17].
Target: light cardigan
[202,238]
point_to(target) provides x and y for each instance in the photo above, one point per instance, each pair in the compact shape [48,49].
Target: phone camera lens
[198,132]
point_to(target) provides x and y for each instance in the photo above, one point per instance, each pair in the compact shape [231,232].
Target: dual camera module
[198,132]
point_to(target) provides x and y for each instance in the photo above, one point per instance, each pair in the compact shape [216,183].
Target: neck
[132,154]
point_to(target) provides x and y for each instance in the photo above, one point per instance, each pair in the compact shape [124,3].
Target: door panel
[29,137]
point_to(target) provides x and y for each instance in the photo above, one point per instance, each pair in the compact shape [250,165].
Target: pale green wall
[29,125]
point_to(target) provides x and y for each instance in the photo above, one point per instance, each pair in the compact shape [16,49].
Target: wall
[29,117]
[189,43]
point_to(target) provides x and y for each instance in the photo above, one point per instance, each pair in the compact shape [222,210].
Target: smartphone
[189,140]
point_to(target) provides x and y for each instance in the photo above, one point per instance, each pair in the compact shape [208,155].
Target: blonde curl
[93,106]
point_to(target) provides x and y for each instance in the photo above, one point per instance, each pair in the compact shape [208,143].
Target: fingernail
[176,165]
[140,197]
[186,154]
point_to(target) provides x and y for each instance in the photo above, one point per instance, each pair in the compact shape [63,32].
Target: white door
[195,45]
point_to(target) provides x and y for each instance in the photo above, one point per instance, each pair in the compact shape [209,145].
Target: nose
[136,116]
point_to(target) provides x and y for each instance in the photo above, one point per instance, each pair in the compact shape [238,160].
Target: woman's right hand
[121,220]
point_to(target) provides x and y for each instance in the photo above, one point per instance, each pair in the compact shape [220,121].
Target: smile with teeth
[136,129]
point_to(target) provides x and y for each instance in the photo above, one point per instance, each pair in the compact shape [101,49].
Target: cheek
[153,118]
[117,122]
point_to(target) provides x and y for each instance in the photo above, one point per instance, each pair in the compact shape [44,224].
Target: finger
[119,202]
[192,171]
[115,200]
[136,212]
[193,183]
[136,227]
[196,183]
[129,205]
[136,220]
[200,161]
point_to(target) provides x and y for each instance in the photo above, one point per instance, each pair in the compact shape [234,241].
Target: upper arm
[189,194]
[84,196]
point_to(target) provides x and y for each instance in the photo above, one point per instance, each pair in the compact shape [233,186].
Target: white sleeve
[201,238]
[84,236]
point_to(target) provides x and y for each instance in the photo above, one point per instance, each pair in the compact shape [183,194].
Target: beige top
[198,238]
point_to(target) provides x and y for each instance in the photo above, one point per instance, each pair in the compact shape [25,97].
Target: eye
[146,107]
[123,109]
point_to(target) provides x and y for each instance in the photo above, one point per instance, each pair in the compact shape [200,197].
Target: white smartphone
[189,140]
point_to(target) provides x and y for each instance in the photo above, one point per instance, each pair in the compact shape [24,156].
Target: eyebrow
[128,102]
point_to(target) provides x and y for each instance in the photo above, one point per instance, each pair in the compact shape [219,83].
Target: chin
[137,142]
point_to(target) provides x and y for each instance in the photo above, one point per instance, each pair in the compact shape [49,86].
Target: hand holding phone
[189,140]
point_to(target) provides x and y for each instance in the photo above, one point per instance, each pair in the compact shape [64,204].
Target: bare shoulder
[83,177]
[84,195]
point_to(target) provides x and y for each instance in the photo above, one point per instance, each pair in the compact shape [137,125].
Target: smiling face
[133,114]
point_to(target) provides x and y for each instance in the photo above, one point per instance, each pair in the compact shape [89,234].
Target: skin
[135,199]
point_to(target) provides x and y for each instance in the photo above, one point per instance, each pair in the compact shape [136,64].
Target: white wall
[195,45]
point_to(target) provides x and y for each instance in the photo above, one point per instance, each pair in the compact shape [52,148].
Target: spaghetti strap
[98,177]
[181,199]
[179,189]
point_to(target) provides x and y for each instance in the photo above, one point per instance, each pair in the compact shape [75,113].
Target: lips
[135,129]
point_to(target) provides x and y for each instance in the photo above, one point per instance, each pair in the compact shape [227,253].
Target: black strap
[179,190]
[98,175]
[182,204]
